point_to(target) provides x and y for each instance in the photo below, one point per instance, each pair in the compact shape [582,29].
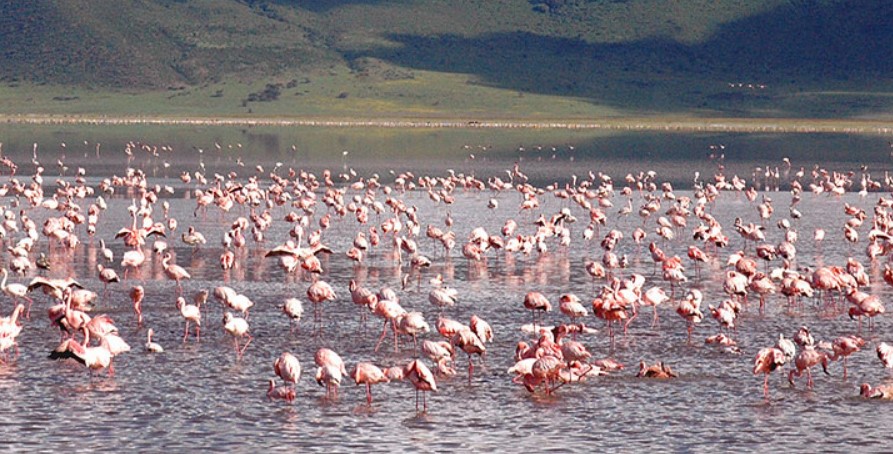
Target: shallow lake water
[200,395]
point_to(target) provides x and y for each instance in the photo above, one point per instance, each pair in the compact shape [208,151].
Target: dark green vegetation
[449,58]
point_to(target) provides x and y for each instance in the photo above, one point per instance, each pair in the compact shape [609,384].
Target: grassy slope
[448,58]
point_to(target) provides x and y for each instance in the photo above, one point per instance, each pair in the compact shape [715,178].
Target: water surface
[198,394]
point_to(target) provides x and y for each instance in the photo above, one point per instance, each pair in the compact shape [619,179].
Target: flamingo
[285,393]
[885,354]
[362,296]
[331,370]
[368,374]
[441,353]
[193,238]
[536,301]
[137,293]
[880,392]
[766,361]
[389,310]
[174,271]
[10,328]
[239,303]
[319,292]
[443,297]
[237,327]
[471,345]
[654,297]
[570,305]
[107,276]
[132,259]
[107,253]
[191,313]
[659,370]
[690,309]
[481,328]
[412,324]
[294,309]
[808,358]
[95,358]
[422,380]
[288,368]
[152,347]
[845,346]
[15,291]
[867,305]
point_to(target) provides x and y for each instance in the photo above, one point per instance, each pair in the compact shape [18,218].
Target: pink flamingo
[152,347]
[869,306]
[655,296]
[844,346]
[362,296]
[174,271]
[368,374]
[389,310]
[283,392]
[885,354]
[319,292]
[294,309]
[570,305]
[879,392]
[10,328]
[191,313]
[137,293]
[766,361]
[107,276]
[536,301]
[422,380]
[481,328]
[331,370]
[288,368]
[697,256]
[237,327]
[16,291]
[471,345]
[808,358]
[690,309]
[132,260]
[94,358]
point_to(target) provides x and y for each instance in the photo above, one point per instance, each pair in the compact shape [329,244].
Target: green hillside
[432,58]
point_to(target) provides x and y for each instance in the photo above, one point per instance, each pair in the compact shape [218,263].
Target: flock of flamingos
[756,272]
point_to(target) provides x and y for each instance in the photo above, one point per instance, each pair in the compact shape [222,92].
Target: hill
[766,58]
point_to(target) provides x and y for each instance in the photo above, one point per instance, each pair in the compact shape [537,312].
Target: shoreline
[740,125]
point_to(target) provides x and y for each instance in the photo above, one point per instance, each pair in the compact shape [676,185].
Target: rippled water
[198,394]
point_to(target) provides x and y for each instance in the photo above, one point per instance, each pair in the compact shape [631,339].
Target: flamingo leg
[369,393]
[28,311]
[186,331]
[394,328]
[384,331]
[470,369]
[244,347]
[766,387]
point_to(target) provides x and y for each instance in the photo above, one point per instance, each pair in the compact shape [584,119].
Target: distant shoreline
[691,124]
